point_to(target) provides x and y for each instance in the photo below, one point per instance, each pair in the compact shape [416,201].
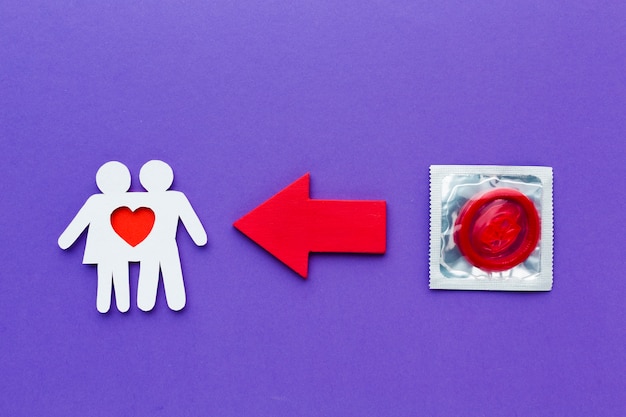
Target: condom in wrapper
[491,228]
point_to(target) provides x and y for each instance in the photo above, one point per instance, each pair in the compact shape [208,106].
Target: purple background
[242,98]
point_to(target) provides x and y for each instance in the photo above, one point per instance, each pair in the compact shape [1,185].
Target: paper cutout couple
[135,227]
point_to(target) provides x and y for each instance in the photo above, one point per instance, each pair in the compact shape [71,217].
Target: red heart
[132,226]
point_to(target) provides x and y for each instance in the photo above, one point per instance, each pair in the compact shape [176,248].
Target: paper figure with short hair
[140,227]
[159,251]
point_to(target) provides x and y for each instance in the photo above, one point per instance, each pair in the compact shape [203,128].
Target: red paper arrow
[290,225]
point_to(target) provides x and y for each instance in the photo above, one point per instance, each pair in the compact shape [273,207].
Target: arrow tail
[347,226]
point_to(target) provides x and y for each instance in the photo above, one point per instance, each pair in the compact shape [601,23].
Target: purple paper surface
[242,98]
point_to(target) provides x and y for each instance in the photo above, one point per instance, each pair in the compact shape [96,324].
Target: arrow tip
[277,225]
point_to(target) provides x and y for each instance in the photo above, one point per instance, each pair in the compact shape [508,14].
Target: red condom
[497,229]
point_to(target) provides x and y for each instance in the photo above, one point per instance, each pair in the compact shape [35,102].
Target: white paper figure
[103,245]
[135,227]
[160,250]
